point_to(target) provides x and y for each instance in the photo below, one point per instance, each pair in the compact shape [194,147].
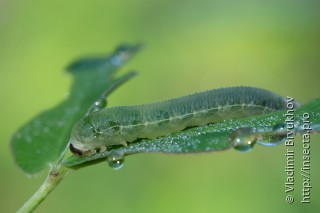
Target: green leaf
[209,138]
[42,141]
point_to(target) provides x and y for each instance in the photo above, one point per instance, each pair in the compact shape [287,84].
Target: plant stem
[54,177]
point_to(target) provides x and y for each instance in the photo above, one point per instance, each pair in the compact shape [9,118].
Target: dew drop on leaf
[273,137]
[99,104]
[280,127]
[115,160]
[243,139]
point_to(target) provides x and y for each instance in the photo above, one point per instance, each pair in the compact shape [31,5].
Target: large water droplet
[274,136]
[99,104]
[315,128]
[243,139]
[115,160]
[271,140]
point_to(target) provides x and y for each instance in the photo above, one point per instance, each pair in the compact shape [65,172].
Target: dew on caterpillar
[120,125]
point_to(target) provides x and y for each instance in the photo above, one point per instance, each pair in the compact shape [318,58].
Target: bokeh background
[189,46]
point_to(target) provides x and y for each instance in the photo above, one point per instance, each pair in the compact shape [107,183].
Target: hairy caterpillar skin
[122,124]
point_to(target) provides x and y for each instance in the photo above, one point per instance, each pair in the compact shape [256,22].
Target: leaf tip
[119,56]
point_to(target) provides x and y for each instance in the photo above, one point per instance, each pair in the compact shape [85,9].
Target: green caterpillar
[123,124]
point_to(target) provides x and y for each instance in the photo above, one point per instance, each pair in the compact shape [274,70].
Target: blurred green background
[189,46]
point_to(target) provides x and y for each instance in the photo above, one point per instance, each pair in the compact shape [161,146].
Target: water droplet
[122,54]
[243,139]
[28,139]
[116,60]
[315,128]
[279,127]
[60,123]
[99,104]
[273,136]
[115,160]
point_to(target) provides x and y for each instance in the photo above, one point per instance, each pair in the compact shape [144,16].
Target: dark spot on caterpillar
[264,103]
[53,173]
[97,134]
[74,150]
[113,123]
[115,126]
[136,122]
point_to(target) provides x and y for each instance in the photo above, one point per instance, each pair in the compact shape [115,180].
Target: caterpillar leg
[123,142]
[103,149]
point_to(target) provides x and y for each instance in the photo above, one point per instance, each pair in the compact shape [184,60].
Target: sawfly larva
[124,124]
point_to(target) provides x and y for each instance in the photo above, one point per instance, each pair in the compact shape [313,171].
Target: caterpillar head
[84,140]
[80,149]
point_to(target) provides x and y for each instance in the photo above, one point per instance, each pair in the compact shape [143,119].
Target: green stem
[54,177]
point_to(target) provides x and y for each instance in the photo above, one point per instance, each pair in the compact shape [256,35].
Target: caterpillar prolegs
[124,124]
